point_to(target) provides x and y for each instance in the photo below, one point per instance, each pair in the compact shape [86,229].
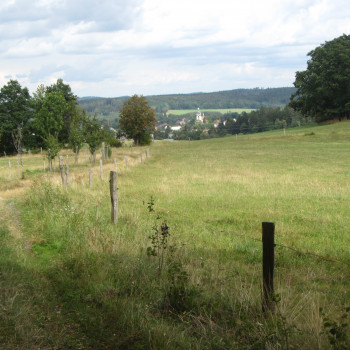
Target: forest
[107,109]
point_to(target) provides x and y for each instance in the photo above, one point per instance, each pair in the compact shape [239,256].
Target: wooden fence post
[10,172]
[44,165]
[90,177]
[114,196]
[62,170]
[101,170]
[126,162]
[268,240]
[67,171]
[141,157]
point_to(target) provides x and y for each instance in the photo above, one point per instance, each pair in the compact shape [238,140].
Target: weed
[159,238]
[336,330]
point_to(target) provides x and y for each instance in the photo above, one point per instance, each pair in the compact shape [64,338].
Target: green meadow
[222,110]
[182,267]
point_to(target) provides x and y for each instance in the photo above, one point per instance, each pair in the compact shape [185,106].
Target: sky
[113,48]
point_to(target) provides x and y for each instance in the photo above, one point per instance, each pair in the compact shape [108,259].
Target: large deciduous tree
[137,119]
[14,114]
[323,89]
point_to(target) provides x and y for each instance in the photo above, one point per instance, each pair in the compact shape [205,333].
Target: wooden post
[114,196]
[76,155]
[41,150]
[101,170]
[141,157]
[115,165]
[10,171]
[90,177]
[67,171]
[147,153]
[62,170]
[268,240]
[126,162]
[44,166]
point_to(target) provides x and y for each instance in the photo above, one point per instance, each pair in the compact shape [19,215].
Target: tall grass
[89,284]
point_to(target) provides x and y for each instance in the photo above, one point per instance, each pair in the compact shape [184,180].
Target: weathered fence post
[126,162]
[147,153]
[62,170]
[114,196]
[141,157]
[67,171]
[76,155]
[268,240]
[44,166]
[90,177]
[101,170]
[10,171]
[115,165]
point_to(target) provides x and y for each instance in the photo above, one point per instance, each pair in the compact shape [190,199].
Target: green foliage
[238,98]
[137,119]
[14,111]
[323,89]
[93,134]
[336,330]
[159,238]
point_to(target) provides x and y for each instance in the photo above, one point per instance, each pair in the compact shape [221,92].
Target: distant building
[200,116]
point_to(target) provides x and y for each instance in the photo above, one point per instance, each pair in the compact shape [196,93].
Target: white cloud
[112,48]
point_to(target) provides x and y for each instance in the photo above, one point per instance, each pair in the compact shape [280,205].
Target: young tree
[93,135]
[49,122]
[137,119]
[14,113]
[323,89]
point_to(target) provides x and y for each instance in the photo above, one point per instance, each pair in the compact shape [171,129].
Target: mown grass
[72,280]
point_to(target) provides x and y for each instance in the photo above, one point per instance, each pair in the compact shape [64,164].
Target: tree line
[263,119]
[107,108]
[50,119]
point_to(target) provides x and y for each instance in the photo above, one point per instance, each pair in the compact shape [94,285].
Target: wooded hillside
[238,98]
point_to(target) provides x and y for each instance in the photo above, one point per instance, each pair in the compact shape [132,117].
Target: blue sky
[116,48]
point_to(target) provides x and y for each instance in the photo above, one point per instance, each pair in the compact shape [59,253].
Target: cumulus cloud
[111,48]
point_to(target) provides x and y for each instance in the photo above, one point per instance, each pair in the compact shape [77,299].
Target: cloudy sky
[115,48]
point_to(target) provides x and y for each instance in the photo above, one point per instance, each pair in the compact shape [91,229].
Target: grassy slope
[70,279]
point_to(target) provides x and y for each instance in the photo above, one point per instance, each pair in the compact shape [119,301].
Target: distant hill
[107,109]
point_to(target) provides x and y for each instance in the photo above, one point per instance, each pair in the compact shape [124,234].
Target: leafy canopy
[137,119]
[14,112]
[323,89]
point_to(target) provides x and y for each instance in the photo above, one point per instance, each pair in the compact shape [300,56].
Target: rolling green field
[70,279]
[222,111]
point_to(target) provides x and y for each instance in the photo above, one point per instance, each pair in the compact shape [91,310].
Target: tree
[323,89]
[14,115]
[71,110]
[93,135]
[49,122]
[137,119]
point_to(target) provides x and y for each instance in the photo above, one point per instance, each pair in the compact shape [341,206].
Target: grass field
[72,280]
[222,111]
